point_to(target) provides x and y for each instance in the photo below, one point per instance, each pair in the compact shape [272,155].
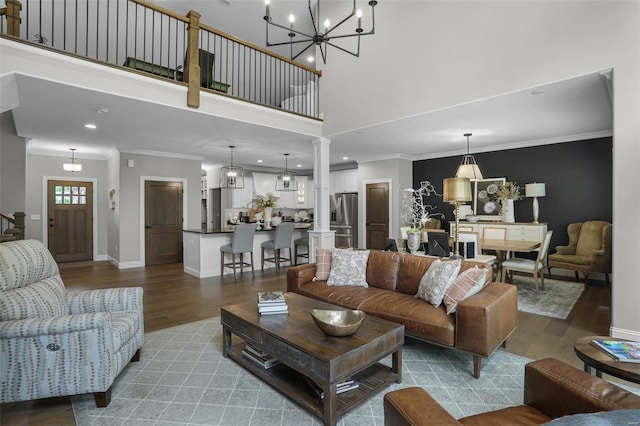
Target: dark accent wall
[578,178]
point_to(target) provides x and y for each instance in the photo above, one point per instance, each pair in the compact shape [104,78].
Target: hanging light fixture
[322,36]
[286,180]
[468,167]
[231,176]
[72,166]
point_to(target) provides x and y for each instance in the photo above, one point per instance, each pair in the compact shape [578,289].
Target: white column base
[321,239]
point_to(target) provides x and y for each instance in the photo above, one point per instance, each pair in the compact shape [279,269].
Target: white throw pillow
[438,278]
[348,267]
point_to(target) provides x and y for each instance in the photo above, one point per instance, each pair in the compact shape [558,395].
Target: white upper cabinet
[344,181]
[264,183]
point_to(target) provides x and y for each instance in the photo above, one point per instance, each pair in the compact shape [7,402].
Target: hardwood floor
[172,297]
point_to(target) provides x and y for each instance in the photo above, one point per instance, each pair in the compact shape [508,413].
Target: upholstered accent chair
[55,342]
[589,249]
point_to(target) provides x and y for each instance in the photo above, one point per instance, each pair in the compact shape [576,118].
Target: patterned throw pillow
[467,284]
[438,278]
[323,264]
[348,267]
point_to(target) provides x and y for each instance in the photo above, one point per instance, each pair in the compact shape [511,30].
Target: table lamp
[535,190]
[456,191]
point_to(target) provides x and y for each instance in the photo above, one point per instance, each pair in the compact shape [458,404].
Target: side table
[603,363]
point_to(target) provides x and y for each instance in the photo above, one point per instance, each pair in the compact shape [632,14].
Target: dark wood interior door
[163,222]
[377,223]
[70,220]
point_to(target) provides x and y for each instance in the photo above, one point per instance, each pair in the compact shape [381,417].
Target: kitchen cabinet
[264,183]
[305,196]
[239,198]
[344,181]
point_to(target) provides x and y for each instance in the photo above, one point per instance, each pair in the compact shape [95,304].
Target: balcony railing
[141,36]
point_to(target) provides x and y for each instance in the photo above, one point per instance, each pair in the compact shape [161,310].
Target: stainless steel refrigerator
[344,219]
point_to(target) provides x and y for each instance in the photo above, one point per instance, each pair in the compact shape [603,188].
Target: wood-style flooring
[172,297]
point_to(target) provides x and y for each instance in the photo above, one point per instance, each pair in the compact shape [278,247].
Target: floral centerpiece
[267,200]
[507,194]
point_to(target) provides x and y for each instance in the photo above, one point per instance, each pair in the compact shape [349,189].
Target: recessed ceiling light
[259,161]
[536,92]
[345,158]
[102,110]
[90,126]
[310,58]
[298,165]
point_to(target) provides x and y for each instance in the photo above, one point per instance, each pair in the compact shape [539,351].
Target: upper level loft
[139,37]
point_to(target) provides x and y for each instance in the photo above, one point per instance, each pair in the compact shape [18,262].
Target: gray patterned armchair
[55,342]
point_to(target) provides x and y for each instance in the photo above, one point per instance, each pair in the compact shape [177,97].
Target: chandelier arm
[302,51]
[340,23]
[314,18]
[357,54]
[275,24]
[352,35]
[281,43]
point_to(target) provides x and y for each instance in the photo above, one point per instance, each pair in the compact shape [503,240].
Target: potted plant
[266,202]
[507,194]
[417,211]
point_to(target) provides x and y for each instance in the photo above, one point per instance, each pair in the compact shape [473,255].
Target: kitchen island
[202,248]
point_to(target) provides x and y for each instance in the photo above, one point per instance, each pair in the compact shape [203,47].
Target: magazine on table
[622,351]
[265,360]
[341,387]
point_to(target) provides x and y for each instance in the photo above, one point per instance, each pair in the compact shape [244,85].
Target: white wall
[428,55]
[131,198]
[13,165]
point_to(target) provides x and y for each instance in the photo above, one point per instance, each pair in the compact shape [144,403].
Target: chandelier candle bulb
[359,15]
[292,20]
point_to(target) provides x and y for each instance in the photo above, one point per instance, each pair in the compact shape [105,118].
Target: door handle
[148,226]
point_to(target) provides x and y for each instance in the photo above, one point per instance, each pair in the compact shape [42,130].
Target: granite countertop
[230,228]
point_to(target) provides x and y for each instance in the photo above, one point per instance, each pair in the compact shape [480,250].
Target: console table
[518,231]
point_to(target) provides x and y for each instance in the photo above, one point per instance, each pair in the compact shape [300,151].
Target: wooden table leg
[330,402]
[396,364]
[226,341]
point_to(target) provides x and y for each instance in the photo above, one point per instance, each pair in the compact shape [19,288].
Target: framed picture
[486,204]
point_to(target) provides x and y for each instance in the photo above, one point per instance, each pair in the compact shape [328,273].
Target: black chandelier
[323,39]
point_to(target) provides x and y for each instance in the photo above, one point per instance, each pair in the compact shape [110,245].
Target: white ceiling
[561,111]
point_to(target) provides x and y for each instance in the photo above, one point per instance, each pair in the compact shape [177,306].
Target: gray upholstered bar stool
[300,242]
[241,243]
[282,240]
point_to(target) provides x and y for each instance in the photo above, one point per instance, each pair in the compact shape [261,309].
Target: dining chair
[282,240]
[534,267]
[300,242]
[242,242]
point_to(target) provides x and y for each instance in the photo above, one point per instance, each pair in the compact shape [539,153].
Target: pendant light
[286,180]
[231,176]
[468,167]
[72,166]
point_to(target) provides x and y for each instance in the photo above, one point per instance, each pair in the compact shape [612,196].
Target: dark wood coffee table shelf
[603,363]
[303,348]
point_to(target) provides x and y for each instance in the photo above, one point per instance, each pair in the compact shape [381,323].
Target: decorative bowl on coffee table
[338,323]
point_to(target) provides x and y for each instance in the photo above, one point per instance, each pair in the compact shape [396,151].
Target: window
[70,195]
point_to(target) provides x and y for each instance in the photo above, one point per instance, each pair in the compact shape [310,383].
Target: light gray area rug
[556,300]
[182,379]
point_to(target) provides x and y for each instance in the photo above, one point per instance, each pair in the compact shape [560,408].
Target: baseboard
[126,265]
[621,333]
[101,257]
[192,271]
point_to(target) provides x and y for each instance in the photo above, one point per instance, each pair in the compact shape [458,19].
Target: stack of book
[272,302]
[341,387]
[259,356]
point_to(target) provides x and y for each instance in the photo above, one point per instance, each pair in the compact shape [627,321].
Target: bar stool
[300,242]
[284,233]
[241,243]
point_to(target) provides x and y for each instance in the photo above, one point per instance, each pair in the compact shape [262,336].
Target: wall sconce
[112,194]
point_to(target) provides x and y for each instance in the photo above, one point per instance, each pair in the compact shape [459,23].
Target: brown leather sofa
[479,326]
[552,389]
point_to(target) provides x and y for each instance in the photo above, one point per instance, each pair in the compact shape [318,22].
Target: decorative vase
[267,216]
[413,241]
[508,214]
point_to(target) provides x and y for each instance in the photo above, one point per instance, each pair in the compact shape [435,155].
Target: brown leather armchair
[552,389]
[589,249]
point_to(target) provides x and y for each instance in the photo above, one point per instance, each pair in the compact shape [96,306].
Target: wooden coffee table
[603,363]
[304,349]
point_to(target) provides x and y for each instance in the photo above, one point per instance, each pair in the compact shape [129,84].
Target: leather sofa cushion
[520,415]
[350,297]
[410,272]
[420,318]
[382,269]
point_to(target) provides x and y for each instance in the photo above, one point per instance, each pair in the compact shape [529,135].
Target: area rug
[556,300]
[183,379]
